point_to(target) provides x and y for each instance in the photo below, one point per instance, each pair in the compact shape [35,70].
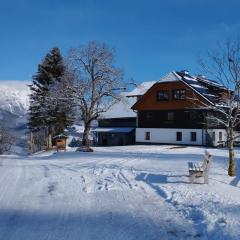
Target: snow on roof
[60,136]
[209,89]
[78,128]
[198,86]
[210,82]
[190,78]
[113,130]
[141,89]
[170,77]
[209,95]
[122,108]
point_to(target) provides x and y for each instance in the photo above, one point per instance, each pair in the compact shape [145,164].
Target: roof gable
[170,77]
[141,89]
[178,80]
[149,101]
[207,90]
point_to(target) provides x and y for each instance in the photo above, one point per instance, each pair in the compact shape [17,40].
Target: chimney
[201,76]
[185,71]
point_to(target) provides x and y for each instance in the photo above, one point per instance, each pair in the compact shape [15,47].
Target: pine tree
[47,111]
[62,96]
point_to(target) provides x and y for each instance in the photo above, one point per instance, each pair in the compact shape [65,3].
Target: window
[193,116]
[193,136]
[213,136]
[170,116]
[179,94]
[147,135]
[163,95]
[179,136]
[149,116]
[220,136]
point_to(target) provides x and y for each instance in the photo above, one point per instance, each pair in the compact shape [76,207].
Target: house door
[104,140]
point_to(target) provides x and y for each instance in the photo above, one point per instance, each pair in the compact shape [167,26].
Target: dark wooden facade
[117,122]
[172,119]
[116,138]
[171,112]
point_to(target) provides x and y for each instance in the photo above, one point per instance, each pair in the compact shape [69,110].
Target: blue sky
[150,37]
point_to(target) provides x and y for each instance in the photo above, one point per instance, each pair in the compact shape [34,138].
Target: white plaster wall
[237,136]
[224,135]
[168,135]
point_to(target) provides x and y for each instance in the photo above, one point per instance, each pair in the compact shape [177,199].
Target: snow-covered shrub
[75,143]
[84,149]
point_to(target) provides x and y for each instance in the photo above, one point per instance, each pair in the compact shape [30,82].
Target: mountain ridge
[14,96]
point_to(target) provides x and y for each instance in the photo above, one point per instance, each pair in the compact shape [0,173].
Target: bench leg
[191,178]
[205,178]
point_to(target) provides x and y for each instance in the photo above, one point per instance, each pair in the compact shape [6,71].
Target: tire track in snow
[14,193]
[83,184]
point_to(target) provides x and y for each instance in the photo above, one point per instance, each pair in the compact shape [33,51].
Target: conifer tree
[62,97]
[45,111]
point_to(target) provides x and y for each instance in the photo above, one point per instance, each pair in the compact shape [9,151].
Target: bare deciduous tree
[224,66]
[97,79]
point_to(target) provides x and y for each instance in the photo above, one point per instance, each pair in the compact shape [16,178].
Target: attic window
[179,94]
[162,95]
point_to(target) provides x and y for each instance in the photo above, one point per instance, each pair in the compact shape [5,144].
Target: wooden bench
[197,170]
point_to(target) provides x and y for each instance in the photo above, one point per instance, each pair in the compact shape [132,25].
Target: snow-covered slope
[14,97]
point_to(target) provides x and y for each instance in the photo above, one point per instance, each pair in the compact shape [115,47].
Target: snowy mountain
[14,103]
[14,97]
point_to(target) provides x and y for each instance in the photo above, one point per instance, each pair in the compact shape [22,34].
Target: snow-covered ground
[132,192]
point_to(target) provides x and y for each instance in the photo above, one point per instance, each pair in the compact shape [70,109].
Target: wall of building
[168,136]
[213,137]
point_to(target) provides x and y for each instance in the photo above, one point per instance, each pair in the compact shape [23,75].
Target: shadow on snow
[19,225]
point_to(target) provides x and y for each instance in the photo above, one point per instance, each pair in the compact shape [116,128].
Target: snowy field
[133,192]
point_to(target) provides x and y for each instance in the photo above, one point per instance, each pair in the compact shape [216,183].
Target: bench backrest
[207,161]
